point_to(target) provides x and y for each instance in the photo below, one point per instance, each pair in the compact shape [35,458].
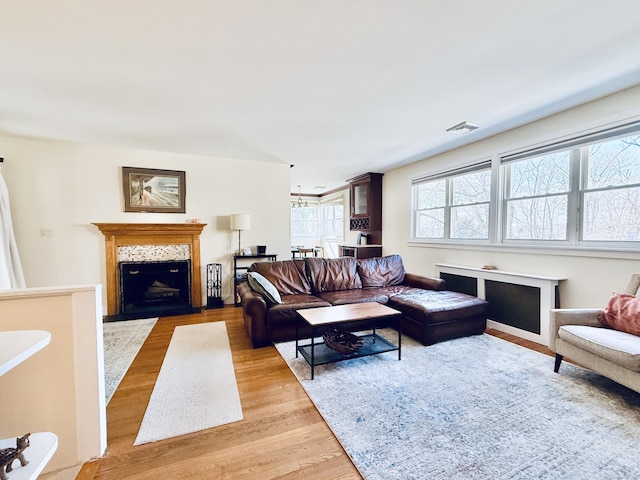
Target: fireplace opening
[155,288]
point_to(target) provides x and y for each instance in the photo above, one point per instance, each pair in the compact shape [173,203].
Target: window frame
[338,224]
[315,222]
[449,176]
[505,177]
[583,190]
[577,145]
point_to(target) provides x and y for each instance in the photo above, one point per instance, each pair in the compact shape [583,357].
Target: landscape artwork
[153,190]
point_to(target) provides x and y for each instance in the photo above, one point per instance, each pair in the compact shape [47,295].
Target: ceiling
[336,88]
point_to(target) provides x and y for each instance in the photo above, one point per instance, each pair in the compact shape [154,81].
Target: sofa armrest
[254,313]
[420,281]
[570,316]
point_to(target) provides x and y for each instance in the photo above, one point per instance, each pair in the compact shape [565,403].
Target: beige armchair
[577,334]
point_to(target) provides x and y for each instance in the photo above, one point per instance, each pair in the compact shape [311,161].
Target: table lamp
[239,221]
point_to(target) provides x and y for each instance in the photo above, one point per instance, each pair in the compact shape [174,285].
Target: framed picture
[153,190]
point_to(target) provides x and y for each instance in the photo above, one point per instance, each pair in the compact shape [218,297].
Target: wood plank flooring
[282,435]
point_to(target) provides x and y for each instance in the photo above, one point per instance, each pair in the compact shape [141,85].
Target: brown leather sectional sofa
[430,312]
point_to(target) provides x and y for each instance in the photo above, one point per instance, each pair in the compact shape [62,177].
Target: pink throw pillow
[622,313]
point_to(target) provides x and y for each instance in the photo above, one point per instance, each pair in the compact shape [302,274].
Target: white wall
[591,279]
[65,187]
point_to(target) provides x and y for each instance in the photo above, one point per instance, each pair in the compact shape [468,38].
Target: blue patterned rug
[122,342]
[475,408]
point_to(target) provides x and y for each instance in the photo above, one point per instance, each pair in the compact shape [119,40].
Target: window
[586,194]
[580,192]
[431,201]
[470,195]
[611,193]
[537,197]
[454,207]
[315,221]
[304,221]
[333,221]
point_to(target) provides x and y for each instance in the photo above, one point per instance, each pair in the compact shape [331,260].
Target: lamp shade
[239,221]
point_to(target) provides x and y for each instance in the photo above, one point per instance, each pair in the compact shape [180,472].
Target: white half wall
[57,190]
[59,389]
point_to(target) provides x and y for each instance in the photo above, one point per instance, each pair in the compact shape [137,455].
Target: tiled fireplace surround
[150,242]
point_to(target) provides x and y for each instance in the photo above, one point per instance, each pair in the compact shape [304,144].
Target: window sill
[568,251]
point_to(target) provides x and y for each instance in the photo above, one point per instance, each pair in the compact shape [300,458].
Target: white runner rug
[122,342]
[196,387]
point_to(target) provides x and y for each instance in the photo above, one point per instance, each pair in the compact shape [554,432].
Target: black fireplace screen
[155,288]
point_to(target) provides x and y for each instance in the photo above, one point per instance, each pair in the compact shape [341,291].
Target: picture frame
[153,190]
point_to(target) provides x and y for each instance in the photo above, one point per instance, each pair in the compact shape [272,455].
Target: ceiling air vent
[464,127]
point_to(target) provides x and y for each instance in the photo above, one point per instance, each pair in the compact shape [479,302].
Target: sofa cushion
[381,271]
[392,290]
[287,276]
[618,347]
[263,287]
[622,313]
[356,295]
[330,274]
[286,311]
[431,306]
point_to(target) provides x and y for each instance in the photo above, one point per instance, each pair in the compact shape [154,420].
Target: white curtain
[11,275]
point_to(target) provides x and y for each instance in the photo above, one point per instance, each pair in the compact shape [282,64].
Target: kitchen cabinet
[365,195]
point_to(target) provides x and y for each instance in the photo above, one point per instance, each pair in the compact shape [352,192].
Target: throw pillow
[264,287]
[622,313]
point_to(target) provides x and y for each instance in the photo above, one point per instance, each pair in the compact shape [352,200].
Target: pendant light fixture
[299,203]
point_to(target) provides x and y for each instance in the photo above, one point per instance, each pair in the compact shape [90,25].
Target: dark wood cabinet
[360,251]
[365,195]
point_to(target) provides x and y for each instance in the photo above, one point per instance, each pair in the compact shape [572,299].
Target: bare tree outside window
[304,222]
[461,202]
[538,193]
[537,197]
[470,194]
[581,192]
[431,200]
[612,191]
[333,221]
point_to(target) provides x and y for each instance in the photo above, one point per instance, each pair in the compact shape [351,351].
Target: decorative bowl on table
[342,342]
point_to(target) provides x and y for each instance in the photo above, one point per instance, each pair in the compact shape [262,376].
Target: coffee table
[317,353]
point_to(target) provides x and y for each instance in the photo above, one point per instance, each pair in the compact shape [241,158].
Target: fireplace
[155,288]
[182,239]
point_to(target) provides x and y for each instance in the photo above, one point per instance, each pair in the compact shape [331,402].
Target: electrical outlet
[46,233]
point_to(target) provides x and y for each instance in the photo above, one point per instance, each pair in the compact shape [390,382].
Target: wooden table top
[345,313]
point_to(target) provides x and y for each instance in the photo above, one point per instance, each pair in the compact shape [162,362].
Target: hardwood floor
[282,435]
[520,341]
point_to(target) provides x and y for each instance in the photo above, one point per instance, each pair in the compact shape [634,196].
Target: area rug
[196,388]
[474,408]
[122,342]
